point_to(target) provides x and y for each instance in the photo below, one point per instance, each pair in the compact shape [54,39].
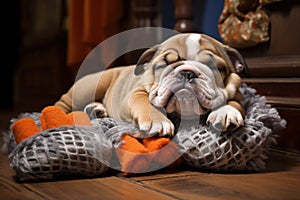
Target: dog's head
[191,74]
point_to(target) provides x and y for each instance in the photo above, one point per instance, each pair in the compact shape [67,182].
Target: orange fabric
[91,22]
[168,150]
[78,118]
[153,144]
[132,155]
[24,128]
[51,117]
[137,157]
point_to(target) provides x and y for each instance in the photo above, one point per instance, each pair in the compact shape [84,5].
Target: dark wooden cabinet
[275,68]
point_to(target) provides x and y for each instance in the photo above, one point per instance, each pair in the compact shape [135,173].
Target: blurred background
[36,67]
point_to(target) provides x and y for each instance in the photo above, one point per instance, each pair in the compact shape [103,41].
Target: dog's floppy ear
[146,57]
[238,62]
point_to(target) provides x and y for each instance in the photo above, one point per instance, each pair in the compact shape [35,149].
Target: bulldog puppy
[190,75]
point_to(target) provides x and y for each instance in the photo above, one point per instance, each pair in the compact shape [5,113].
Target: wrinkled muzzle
[189,89]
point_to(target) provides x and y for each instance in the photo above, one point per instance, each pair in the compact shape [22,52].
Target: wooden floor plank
[9,189]
[275,183]
[100,188]
[215,186]
[163,174]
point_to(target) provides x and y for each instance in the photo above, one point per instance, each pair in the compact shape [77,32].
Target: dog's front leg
[143,113]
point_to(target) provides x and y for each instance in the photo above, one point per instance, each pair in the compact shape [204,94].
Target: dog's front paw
[225,118]
[156,123]
[95,110]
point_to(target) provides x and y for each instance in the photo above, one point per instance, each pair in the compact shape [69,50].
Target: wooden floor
[281,180]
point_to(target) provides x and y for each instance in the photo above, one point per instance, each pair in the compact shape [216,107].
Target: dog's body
[189,74]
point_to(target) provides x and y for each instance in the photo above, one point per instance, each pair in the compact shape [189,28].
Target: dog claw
[225,118]
[161,128]
[95,110]
[156,128]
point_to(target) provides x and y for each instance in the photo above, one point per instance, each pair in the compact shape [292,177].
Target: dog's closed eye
[172,57]
[160,66]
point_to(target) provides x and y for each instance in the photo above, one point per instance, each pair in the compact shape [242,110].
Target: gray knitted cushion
[243,149]
[62,151]
[88,151]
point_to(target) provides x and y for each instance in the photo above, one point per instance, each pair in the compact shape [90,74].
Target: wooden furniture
[275,68]
[183,10]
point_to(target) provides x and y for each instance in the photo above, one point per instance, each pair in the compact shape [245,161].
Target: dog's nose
[186,75]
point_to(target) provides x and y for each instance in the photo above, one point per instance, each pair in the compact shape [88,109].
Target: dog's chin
[185,104]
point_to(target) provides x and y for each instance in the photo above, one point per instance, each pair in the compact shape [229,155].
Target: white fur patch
[221,118]
[193,46]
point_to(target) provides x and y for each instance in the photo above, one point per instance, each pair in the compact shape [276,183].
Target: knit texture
[243,149]
[63,151]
